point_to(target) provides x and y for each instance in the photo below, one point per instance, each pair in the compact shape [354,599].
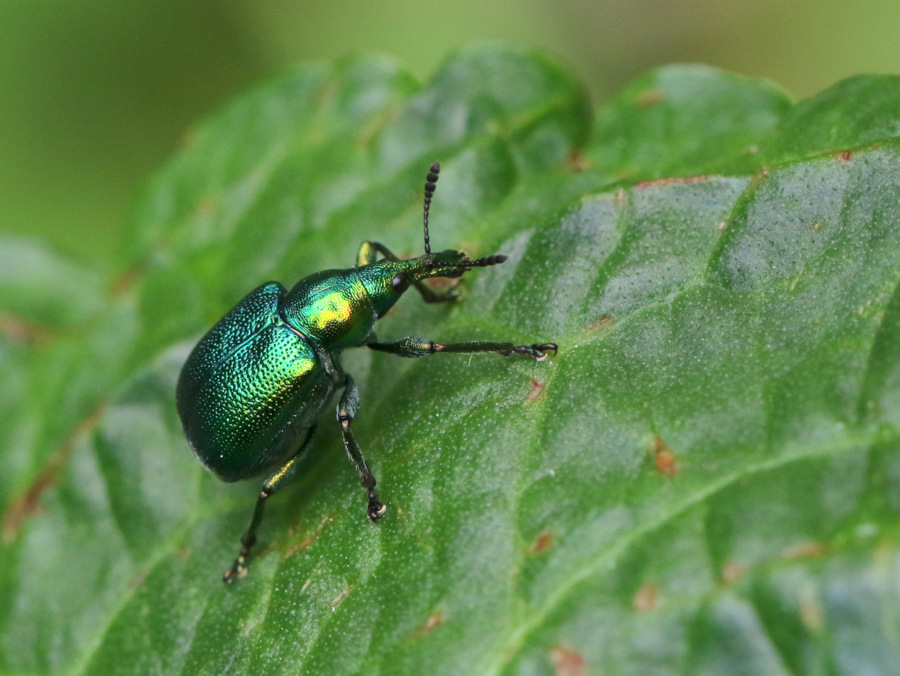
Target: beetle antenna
[430,185]
[496,259]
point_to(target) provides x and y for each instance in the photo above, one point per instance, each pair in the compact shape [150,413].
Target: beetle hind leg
[285,474]
[239,567]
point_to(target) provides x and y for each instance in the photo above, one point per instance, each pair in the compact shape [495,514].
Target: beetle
[251,391]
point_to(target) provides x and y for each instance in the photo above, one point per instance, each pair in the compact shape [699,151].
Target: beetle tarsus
[376,508]
[238,568]
[538,351]
[541,351]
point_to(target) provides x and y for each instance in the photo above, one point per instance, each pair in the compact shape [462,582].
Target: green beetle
[253,388]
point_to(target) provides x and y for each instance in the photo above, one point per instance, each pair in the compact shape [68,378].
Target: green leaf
[705,479]
[30,279]
[684,121]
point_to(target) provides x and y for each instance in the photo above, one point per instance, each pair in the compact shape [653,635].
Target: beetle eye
[400,282]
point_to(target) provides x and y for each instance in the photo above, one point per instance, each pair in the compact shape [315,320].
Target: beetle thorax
[331,307]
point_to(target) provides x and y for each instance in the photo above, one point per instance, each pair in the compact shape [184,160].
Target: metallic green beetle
[256,383]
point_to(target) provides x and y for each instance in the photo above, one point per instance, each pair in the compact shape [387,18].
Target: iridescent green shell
[250,387]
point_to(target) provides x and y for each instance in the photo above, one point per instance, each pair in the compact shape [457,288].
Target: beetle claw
[238,570]
[541,352]
[376,509]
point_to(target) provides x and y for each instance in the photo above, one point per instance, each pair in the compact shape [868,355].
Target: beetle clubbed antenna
[496,259]
[430,185]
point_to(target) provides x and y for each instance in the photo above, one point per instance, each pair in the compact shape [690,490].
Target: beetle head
[387,280]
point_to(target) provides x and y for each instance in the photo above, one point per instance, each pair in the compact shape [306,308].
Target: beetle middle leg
[272,485]
[413,346]
[347,409]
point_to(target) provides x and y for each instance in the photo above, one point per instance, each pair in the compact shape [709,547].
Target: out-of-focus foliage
[97,94]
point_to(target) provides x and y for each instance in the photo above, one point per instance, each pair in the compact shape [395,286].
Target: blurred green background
[96,94]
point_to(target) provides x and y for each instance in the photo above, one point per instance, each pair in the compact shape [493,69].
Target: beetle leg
[347,409]
[412,346]
[368,253]
[270,486]
[429,295]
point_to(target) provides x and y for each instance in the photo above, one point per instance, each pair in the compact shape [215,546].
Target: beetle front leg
[347,409]
[368,253]
[270,486]
[412,346]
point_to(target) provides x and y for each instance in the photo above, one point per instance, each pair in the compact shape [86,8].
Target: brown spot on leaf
[340,598]
[757,179]
[537,387]
[434,620]
[544,540]
[308,540]
[686,180]
[731,571]
[125,281]
[566,661]
[18,330]
[602,323]
[804,550]
[650,98]
[577,162]
[666,464]
[646,597]
[28,503]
